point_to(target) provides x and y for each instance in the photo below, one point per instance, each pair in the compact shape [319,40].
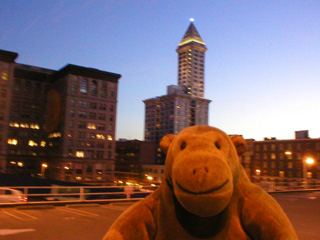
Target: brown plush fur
[205,194]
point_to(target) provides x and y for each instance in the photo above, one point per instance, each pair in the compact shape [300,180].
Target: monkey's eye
[183,145]
[217,145]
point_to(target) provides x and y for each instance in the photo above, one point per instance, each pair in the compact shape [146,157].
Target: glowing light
[12,141]
[309,161]
[149,178]
[288,153]
[44,165]
[191,19]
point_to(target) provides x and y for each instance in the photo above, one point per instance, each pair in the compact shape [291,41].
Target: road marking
[115,208]
[78,212]
[4,232]
[25,214]
[12,215]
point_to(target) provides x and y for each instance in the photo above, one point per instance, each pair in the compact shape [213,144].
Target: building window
[81,134]
[93,105]
[12,141]
[93,88]
[83,104]
[91,126]
[74,86]
[103,107]
[84,86]
[103,89]
[92,115]
[100,136]
[82,114]
[72,113]
[102,116]
[101,126]
[80,154]
[81,124]
[90,153]
[100,154]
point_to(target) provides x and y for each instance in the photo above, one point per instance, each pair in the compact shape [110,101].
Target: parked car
[12,195]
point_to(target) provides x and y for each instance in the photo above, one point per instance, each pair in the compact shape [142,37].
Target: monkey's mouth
[211,190]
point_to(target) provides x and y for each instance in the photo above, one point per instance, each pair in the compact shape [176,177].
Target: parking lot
[91,221]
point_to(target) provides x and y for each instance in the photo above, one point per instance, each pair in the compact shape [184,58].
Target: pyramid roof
[191,35]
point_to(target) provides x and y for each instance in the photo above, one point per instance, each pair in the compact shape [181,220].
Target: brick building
[65,119]
[284,160]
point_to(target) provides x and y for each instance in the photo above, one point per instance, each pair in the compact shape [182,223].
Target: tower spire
[191,35]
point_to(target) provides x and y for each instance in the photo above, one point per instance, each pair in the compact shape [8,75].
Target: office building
[57,124]
[184,105]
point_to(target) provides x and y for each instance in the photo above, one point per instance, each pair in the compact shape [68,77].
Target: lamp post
[306,162]
[43,168]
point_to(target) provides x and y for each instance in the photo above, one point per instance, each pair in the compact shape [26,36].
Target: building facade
[172,113]
[82,129]
[184,105]
[7,60]
[27,138]
[60,124]
[131,155]
[285,160]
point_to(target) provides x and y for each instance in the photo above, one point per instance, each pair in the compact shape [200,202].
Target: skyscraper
[191,51]
[184,105]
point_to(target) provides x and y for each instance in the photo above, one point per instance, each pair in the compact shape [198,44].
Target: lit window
[32,143]
[100,136]
[80,154]
[91,126]
[12,141]
[109,138]
[34,126]
[5,76]
[14,124]
[24,125]
[43,143]
[55,135]
[281,173]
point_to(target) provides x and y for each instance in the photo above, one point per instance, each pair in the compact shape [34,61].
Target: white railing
[65,194]
[74,194]
[288,186]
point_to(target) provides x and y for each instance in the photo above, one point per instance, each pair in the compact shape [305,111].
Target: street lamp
[43,168]
[308,161]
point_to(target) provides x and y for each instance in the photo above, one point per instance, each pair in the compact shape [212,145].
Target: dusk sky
[262,67]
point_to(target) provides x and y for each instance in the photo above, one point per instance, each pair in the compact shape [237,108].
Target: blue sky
[262,69]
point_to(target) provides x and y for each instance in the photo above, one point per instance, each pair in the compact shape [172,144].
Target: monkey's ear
[239,143]
[166,142]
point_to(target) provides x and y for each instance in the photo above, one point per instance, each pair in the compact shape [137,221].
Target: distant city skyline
[262,64]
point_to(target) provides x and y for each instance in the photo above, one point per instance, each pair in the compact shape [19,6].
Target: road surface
[91,221]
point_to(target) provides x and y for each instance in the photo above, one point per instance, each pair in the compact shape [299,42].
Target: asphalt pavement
[91,221]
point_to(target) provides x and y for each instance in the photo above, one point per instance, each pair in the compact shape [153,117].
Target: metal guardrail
[68,194]
[78,194]
[288,186]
